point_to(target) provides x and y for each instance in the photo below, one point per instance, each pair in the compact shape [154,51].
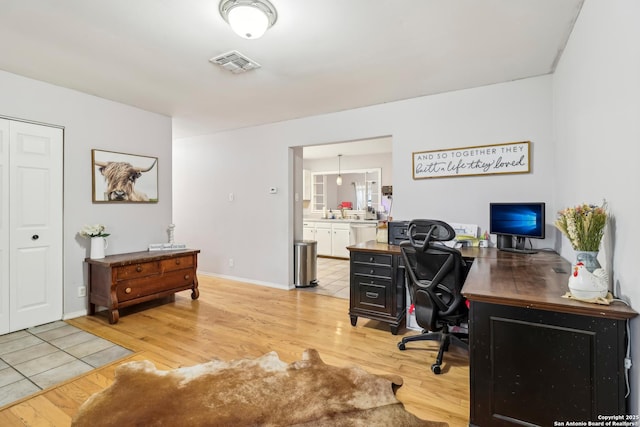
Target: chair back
[435,274]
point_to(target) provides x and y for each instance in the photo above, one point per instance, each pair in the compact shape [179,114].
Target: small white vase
[98,245]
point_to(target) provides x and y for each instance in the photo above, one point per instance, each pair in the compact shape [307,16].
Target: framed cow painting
[124,178]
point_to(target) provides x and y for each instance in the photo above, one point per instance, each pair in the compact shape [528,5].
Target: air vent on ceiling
[235,62]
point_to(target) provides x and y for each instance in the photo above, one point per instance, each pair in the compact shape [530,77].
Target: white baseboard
[253,282]
[75,314]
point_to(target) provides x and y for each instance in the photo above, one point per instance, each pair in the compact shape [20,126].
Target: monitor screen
[517,219]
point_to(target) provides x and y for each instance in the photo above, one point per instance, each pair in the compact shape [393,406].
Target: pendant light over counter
[339,178]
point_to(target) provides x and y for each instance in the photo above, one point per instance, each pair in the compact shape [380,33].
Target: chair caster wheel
[435,368]
[401,346]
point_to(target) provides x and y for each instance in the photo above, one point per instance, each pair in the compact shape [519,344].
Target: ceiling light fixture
[339,178]
[248,18]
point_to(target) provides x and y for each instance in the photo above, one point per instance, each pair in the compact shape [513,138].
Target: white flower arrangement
[97,230]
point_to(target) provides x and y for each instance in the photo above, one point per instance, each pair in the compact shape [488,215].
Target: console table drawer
[176,263]
[144,269]
[371,258]
[133,271]
[136,288]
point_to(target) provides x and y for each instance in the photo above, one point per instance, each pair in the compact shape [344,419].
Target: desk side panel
[537,367]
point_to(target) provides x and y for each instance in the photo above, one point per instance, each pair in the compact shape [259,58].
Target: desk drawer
[371,270]
[371,258]
[373,294]
[143,286]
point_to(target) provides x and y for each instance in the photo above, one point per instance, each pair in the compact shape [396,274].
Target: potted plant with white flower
[584,226]
[96,233]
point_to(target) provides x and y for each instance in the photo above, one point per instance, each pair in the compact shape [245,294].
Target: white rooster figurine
[585,285]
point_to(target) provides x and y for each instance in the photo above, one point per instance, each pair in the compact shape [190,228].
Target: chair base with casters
[458,339]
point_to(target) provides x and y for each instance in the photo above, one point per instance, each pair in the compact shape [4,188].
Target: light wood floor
[233,320]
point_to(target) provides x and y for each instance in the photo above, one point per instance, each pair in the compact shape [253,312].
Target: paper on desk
[466,235]
[598,300]
[465,229]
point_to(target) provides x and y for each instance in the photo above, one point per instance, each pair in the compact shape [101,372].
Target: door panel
[35,289]
[4,226]
[31,283]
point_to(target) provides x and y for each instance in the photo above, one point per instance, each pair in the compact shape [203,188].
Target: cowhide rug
[248,392]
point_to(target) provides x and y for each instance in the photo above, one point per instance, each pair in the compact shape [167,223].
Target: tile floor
[333,278]
[39,357]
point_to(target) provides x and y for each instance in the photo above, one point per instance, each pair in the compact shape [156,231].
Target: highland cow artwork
[124,178]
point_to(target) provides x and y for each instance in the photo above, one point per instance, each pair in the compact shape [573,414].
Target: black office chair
[434,274]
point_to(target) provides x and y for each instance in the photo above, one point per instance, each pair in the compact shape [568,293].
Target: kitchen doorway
[362,164]
[323,164]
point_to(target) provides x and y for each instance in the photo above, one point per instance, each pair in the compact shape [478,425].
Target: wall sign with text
[511,157]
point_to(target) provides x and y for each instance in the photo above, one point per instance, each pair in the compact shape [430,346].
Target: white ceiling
[321,56]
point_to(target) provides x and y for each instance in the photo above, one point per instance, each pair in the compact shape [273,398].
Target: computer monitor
[521,221]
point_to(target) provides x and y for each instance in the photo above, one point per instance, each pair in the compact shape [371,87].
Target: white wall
[596,91]
[90,122]
[510,112]
[254,230]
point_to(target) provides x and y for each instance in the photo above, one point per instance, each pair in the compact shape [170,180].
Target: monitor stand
[505,243]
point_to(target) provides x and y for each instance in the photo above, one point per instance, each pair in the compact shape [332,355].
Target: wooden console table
[118,281]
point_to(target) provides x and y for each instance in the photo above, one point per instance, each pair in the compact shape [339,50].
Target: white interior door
[4,226]
[35,218]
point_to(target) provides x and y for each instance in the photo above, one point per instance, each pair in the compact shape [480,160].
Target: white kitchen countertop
[358,221]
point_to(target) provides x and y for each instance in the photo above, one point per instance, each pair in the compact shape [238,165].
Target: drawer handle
[139,268]
[371,259]
[186,277]
[35,237]
[371,295]
[127,291]
[372,271]
[177,262]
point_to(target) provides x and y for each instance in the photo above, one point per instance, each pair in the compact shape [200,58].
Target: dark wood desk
[534,356]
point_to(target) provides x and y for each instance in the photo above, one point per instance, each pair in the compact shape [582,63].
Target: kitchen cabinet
[323,237]
[318,192]
[306,184]
[340,239]
[333,237]
[309,231]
